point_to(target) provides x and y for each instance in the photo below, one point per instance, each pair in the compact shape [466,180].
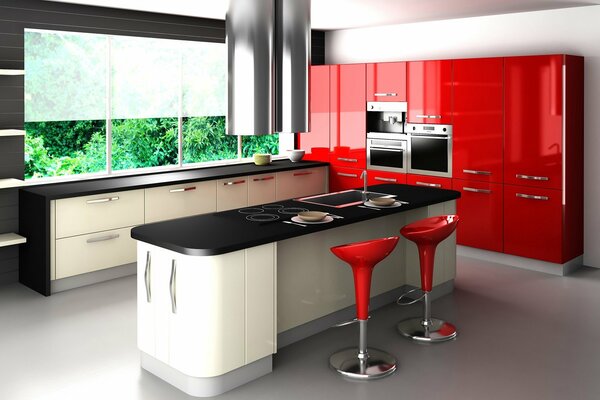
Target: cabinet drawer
[232,193]
[344,178]
[101,212]
[168,202]
[86,253]
[429,181]
[375,177]
[301,182]
[261,189]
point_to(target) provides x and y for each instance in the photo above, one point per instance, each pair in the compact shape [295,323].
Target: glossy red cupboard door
[480,210]
[375,177]
[386,81]
[429,92]
[429,181]
[533,223]
[533,143]
[316,142]
[478,120]
[343,178]
[348,137]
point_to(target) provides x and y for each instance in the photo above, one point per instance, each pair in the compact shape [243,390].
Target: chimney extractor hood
[268,45]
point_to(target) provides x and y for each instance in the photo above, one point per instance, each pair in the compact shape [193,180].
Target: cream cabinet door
[261,189]
[232,193]
[301,182]
[176,201]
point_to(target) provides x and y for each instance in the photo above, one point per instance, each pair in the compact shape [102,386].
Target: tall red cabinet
[429,92]
[316,142]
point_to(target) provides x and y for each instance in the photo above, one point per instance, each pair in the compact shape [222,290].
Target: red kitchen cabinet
[348,137]
[375,177]
[316,142]
[343,178]
[481,214]
[430,181]
[478,120]
[386,81]
[429,92]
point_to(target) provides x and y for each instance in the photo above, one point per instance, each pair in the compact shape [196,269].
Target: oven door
[387,155]
[430,155]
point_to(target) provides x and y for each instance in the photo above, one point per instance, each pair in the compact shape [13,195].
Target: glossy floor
[522,335]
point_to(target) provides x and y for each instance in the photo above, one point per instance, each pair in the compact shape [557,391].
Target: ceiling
[343,14]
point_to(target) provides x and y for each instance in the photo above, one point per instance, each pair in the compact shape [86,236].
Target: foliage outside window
[91,98]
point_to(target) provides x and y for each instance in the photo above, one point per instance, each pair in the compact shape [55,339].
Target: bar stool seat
[363,363]
[427,234]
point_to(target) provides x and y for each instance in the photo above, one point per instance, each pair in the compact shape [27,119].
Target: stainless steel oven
[387,145]
[430,149]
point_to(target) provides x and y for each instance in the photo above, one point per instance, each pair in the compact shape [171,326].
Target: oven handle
[392,149]
[437,137]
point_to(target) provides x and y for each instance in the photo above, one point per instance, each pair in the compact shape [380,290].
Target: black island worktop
[227,231]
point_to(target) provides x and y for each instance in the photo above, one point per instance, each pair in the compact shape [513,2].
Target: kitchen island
[219,293]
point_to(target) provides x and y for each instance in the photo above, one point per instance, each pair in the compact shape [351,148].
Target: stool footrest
[346,323]
[408,303]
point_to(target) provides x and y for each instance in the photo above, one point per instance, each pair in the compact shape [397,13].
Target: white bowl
[383,201]
[312,216]
[296,155]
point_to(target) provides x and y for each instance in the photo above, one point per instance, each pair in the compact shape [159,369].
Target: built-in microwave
[387,144]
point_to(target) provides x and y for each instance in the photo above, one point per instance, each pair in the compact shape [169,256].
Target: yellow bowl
[312,216]
[262,159]
[382,201]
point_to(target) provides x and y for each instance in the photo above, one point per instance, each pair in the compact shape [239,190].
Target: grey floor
[523,335]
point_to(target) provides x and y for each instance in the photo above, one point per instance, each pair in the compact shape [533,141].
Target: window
[99,104]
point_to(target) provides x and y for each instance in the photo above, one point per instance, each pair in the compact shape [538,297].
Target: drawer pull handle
[103,200]
[347,159]
[379,178]
[302,173]
[437,185]
[266,178]
[173,287]
[429,116]
[347,175]
[103,238]
[532,178]
[474,172]
[386,94]
[470,189]
[147,278]
[234,182]
[532,197]
[186,189]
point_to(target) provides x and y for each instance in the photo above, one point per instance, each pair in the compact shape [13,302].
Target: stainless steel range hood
[268,45]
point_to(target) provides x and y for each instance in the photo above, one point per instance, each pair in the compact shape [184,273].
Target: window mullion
[108,108]
[180,112]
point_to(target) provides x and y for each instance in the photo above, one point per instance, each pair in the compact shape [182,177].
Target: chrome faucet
[363,175]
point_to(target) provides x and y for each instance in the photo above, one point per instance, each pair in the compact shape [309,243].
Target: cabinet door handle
[475,172]
[385,94]
[531,196]
[302,173]
[429,116]
[532,178]
[186,189]
[148,278]
[347,159]
[229,183]
[103,200]
[437,185]
[347,175]
[103,238]
[470,189]
[379,178]
[266,178]
[173,287]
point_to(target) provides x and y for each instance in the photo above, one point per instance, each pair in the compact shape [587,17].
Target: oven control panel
[429,129]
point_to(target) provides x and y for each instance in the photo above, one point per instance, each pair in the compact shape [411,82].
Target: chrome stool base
[437,331]
[379,364]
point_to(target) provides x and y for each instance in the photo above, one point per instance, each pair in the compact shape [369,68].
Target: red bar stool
[362,257]
[427,233]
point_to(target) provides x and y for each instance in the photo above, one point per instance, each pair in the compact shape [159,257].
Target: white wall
[572,31]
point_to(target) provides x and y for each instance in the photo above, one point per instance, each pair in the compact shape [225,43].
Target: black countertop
[227,231]
[103,185]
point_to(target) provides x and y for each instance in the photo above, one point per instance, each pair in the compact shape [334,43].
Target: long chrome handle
[266,178]
[532,178]
[475,172]
[103,238]
[229,183]
[531,196]
[148,278]
[173,287]
[347,159]
[303,173]
[388,148]
[437,137]
[470,189]
[103,200]
[437,185]
[347,175]
[429,116]
[385,94]
[185,189]
[379,178]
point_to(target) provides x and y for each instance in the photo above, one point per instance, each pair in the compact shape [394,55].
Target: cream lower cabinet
[302,182]
[261,189]
[176,201]
[206,316]
[232,193]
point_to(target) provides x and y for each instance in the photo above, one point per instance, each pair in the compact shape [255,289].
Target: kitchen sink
[342,199]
